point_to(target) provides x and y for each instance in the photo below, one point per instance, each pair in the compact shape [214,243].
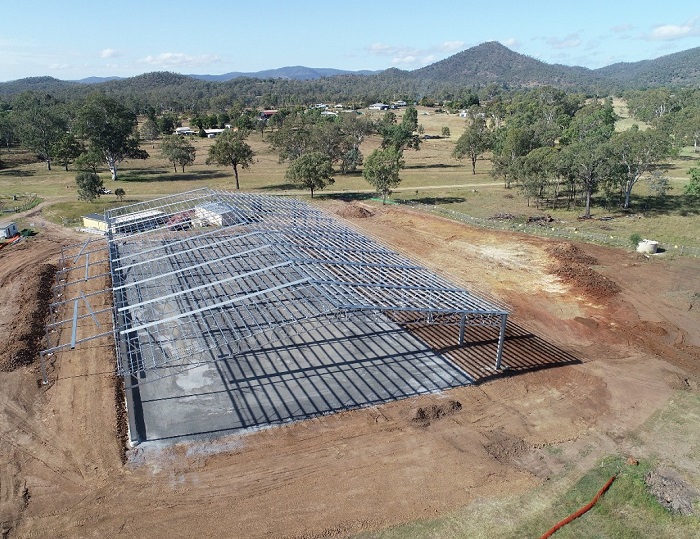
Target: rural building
[211,133]
[379,106]
[267,114]
[9,230]
[95,221]
[184,131]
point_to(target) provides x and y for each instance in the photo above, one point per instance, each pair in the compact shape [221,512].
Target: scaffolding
[203,275]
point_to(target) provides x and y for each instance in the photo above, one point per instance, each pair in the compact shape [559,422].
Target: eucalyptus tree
[150,130]
[588,157]
[355,129]
[67,149]
[293,138]
[312,170]
[178,150]
[537,174]
[400,136]
[89,186]
[110,129]
[40,121]
[475,140]
[231,149]
[509,142]
[7,128]
[638,152]
[381,170]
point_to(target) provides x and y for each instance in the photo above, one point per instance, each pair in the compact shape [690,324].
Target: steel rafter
[199,276]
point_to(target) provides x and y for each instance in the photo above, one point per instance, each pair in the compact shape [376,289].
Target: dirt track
[60,468]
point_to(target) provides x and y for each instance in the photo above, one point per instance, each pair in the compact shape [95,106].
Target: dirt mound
[568,252]
[22,346]
[588,281]
[352,211]
[672,491]
[426,414]
[572,267]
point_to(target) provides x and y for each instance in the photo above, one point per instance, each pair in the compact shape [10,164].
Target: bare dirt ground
[628,347]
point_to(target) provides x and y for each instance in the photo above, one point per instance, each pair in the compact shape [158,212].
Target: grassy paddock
[432,176]
[626,510]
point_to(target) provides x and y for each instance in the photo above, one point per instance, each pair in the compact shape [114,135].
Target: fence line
[531,228]
[12,205]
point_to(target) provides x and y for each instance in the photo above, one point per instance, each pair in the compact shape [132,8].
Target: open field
[519,453]
[431,176]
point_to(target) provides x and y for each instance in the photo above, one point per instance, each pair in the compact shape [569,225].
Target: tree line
[556,147]
[563,148]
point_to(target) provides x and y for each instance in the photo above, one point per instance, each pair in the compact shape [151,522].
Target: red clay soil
[61,468]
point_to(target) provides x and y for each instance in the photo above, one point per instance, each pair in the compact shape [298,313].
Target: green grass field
[431,177]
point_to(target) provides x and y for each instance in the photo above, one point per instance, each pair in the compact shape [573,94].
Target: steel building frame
[187,290]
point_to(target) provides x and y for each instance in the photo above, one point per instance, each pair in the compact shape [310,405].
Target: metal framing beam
[179,290]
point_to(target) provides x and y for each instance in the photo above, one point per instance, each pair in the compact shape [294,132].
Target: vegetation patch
[627,510]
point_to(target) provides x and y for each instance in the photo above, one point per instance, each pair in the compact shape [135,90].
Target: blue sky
[74,39]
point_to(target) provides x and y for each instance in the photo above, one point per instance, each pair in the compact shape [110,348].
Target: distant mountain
[289,72]
[488,63]
[35,84]
[677,69]
[494,63]
[97,80]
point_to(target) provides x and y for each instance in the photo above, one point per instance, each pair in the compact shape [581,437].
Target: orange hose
[581,511]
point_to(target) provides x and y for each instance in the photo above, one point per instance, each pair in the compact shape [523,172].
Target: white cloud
[409,57]
[452,46]
[109,53]
[622,28]
[380,49]
[511,43]
[567,42]
[178,59]
[670,32]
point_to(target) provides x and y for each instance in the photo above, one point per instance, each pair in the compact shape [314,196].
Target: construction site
[246,365]
[235,311]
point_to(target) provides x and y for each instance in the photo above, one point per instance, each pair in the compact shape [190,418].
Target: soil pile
[351,211]
[424,415]
[573,267]
[570,253]
[22,346]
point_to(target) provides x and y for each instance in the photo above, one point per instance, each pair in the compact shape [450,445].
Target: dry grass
[431,176]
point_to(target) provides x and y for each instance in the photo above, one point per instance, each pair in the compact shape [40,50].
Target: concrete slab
[321,369]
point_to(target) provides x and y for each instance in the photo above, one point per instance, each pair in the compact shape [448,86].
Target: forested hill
[480,66]
[494,63]
[678,69]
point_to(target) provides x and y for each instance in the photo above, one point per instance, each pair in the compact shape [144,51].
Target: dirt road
[61,473]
